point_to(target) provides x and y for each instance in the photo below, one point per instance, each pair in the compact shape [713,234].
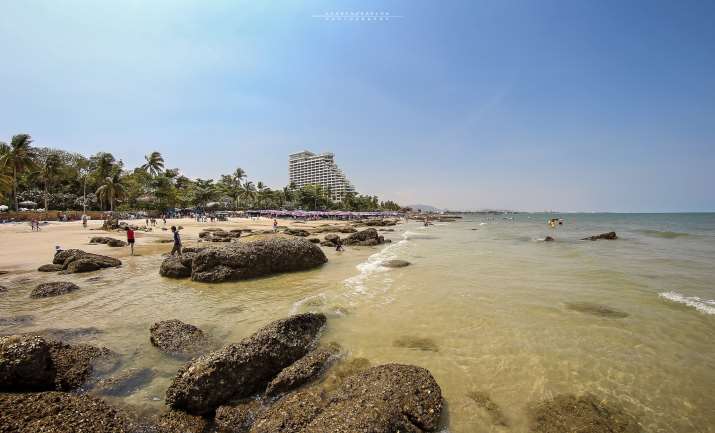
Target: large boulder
[25,364]
[302,371]
[83,265]
[383,399]
[367,237]
[176,337]
[173,267]
[76,363]
[240,261]
[608,236]
[54,288]
[65,258]
[243,369]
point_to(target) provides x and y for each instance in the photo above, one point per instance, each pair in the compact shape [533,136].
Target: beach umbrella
[28,203]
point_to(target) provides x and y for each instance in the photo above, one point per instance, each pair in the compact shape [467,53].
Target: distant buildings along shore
[307,168]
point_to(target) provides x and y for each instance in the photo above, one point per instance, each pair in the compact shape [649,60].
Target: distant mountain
[423,207]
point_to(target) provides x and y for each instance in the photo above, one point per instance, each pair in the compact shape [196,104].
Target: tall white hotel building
[307,168]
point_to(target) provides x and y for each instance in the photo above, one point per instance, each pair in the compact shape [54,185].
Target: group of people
[35,225]
[177,240]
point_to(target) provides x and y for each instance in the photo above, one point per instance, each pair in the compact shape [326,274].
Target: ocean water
[486,305]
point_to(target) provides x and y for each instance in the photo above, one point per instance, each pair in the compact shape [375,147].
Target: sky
[566,105]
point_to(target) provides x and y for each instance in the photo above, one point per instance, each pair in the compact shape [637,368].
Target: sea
[486,305]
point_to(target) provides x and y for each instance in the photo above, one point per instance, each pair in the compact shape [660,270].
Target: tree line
[61,180]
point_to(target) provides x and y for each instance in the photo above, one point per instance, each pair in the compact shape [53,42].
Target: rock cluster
[608,236]
[76,261]
[296,232]
[219,235]
[379,222]
[367,237]
[108,241]
[239,261]
[56,288]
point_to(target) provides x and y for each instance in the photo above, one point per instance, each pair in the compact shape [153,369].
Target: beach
[494,312]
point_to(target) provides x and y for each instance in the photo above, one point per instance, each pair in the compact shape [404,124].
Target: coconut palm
[111,189]
[154,163]
[48,170]
[17,159]
[248,194]
[230,185]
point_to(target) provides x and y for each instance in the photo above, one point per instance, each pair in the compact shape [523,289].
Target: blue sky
[531,105]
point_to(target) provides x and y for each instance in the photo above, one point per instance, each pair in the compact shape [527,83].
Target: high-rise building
[307,168]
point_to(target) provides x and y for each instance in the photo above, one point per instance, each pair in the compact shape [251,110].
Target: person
[84,220]
[275,225]
[177,241]
[339,246]
[57,249]
[130,238]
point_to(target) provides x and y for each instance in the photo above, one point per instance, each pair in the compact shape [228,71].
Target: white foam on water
[299,303]
[703,305]
[373,265]
[482,224]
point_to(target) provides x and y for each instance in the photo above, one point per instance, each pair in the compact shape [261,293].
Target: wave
[703,305]
[663,234]
[414,235]
[373,264]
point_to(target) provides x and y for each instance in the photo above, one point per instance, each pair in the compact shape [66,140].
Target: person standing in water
[130,238]
[177,241]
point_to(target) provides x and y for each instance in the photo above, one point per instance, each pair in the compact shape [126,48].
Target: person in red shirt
[130,237]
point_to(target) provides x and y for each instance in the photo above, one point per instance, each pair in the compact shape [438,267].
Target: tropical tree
[230,184]
[111,189]
[17,159]
[154,164]
[248,194]
[205,191]
[49,167]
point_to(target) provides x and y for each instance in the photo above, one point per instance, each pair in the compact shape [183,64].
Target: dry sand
[22,250]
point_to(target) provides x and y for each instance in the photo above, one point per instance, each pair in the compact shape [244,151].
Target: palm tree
[17,159]
[111,189]
[154,163]
[230,185]
[248,194]
[47,171]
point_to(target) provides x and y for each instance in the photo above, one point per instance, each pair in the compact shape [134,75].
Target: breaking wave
[703,305]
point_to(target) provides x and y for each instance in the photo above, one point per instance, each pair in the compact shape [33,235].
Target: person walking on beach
[177,241]
[130,238]
[84,221]
[275,226]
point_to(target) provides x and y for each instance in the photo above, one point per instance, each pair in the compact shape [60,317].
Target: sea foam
[703,305]
[373,264]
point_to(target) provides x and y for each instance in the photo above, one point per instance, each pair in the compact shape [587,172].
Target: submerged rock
[367,237]
[586,414]
[596,309]
[240,370]
[55,288]
[176,421]
[25,364]
[254,259]
[609,236]
[395,263]
[125,382]
[173,267]
[302,371]
[59,412]
[50,268]
[548,239]
[177,337]
[418,343]
[485,402]
[76,363]
[292,414]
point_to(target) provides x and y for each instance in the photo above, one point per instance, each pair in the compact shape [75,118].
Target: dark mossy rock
[25,364]
[594,309]
[65,258]
[55,288]
[607,236]
[302,371]
[296,232]
[50,268]
[83,265]
[367,237]
[75,364]
[176,337]
[548,239]
[568,413]
[173,267]
[237,418]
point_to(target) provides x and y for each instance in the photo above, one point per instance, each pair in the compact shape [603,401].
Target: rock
[125,382]
[367,237]
[383,399]
[380,222]
[240,261]
[586,414]
[609,236]
[327,244]
[177,337]
[65,258]
[50,268]
[185,250]
[347,229]
[548,239]
[115,243]
[240,370]
[55,288]
[3,289]
[485,402]
[333,238]
[296,232]
[25,364]
[417,343]
[314,240]
[107,240]
[302,371]
[395,263]
[76,363]
[173,267]
[291,414]
[17,320]
[237,418]
[181,422]
[59,412]
[599,310]
[83,265]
